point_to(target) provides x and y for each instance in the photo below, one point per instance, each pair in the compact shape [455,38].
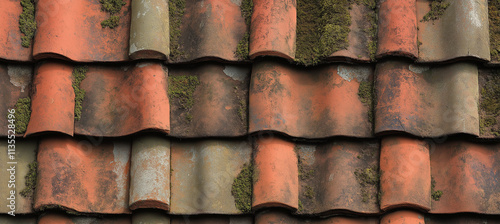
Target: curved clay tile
[314,103]
[10,35]
[204,174]
[403,217]
[273,28]
[462,31]
[209,100]
[468,175]
[58,218]
[149,30]
[397,28]
[72,30]
[15,80]
[277,182]
[15,169]
[117,101]
[150,173]
[280,217]
[53,97]
[334,176]
[84,177]
[405,174]
[209,29]
[426,101]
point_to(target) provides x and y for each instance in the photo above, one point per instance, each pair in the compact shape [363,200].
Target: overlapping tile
[18,165]
[333,100]
[425,100]
[58,218]
[10,33]
[211,177]
[335,176]
[280,217]
[199,28]
[117,100]
[81,176]
[209,100]
[58,34]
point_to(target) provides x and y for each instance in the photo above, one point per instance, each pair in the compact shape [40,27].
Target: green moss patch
[111,7]
[242,189]
[365,93]
[182,89]
[30,180]
[27,23]
[309,192]
[176,11]
[438,7]
[435,194]
[367,178]
[246,11]
[79,74]
[242,110]
[494,17]
[371,32]
[490,104]
[22,114]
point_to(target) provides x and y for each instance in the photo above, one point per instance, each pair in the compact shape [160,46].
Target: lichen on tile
[435,194]
[27,22]
[368,178]
[112,7]
[438,8]
[79,74]
[490,104]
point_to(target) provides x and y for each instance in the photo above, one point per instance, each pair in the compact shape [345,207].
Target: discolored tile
[11,47]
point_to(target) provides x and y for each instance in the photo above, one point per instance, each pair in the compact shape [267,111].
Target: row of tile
[264,217]
[340,176]
[182,31]
[213,99]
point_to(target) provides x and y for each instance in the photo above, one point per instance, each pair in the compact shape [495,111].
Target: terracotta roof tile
[10,35]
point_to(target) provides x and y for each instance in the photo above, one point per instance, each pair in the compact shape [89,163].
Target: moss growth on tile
[242,110]
[438,7]
[365,93]
[111,7]
[176,12]
[301,207]
[30,180]
[79,74]
[309,192]
[490,105]
[371,32]
[242,50]
[494,19]
[242,189]
[305,172]
[368,177]
[435,194]
[27,23]
[182,88]
[22,114]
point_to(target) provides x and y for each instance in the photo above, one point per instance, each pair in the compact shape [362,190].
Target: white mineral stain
[236,73]
[349,72]
[419,69]
[20,76]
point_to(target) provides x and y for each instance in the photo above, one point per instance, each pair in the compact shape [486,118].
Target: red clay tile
[49,102]
[149,30]
[214,105]
[315,103]
[15,80]
[330,176]
[405,173]
[205,25]
[279,217]
[273,29]
[426,100]
[276,183]
[56,218]
[203,173]
[468,175]
[78,175]
[72,30]
[10,35]
[462,219]
[397,28]
[403,217]
[118,100]
[150,173]
[462,31]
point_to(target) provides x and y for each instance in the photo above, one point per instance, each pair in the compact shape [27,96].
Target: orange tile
[405,173]
[314,103]
[72,30]
[424,100]
[81,176]
[273,29]
[397,33]
[205,25]
[10,35]
[403,217]
[276,169]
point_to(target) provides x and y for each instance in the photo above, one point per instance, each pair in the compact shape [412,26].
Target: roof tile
[10,35]
[279,217]
[57,218]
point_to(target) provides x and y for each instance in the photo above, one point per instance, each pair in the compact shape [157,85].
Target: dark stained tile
[280,217]
[58,218]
